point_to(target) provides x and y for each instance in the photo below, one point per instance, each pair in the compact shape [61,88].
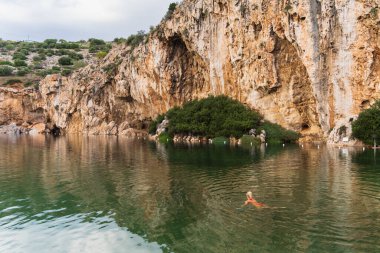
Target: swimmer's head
[249,193]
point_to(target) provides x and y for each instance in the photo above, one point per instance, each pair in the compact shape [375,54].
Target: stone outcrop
[21,111]
[161,128]
[309,66]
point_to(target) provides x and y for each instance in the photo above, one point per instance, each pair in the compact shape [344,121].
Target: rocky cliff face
[21,111]
[308,65]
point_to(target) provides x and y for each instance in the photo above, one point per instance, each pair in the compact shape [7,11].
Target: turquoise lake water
[108,194]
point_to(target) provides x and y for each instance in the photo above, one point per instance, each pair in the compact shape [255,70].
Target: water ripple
[116,195]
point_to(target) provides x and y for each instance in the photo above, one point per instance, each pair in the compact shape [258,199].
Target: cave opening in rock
[292,75]
[55,131]
[187,69]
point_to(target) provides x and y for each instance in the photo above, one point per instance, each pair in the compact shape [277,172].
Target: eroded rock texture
[21,110]
[308,65]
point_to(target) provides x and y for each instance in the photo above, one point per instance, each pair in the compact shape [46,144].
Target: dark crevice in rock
[292,75]
[55,131]
[187,70]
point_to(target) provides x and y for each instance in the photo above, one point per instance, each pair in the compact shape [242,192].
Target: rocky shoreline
[25,129]
[24,112]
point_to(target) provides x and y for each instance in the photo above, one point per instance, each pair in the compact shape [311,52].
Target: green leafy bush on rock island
[220,116]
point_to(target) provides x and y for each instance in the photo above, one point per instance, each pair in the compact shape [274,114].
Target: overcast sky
[78,19]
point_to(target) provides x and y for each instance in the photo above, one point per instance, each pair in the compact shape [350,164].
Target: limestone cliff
[308,65]
[21,110]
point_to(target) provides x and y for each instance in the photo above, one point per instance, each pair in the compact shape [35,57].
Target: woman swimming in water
[251,200]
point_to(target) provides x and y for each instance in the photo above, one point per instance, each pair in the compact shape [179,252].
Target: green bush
[171,10]
[246,140]
[67,45]
[20,63]
[277,134]
[367,127]
[43,73]
[220,140]
[40,57]
[96,42]
[101,54]
[10,47]
[164,137]
[28,84]
[56,68]
[12,81]
[119,40]
[5,71]
[19,56]
[37,65]
[75,56]
[136,39]
[23,71]
[97,45]
[50,43]
[65,61]
[24,51]
[6,63]
[212,116]
[155,123]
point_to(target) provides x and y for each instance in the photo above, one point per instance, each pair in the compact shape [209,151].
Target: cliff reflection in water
[188,198]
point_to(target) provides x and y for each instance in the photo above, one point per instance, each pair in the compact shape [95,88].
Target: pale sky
[78,19]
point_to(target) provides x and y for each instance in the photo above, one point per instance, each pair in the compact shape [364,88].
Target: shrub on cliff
[19,56]
[171,9]
[5,71]
[23,71]
[367,127]
[101,54]
[20,63]
[136,39]
[119,40]
[6,63]
[97,45]
[65,61]
[12,82]
[9,47]
[211,117]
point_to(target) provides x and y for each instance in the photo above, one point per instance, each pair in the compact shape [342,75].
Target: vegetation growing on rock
[5,71]
[171,10]
[277,134]
[220,116]
[34,60]
[247,140]
[211,117]
[65,60]
[367,127]
[136,39]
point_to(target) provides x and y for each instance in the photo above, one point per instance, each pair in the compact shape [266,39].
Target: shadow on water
[187,198]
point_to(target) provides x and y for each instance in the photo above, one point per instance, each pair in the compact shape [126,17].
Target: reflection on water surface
[106,194]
